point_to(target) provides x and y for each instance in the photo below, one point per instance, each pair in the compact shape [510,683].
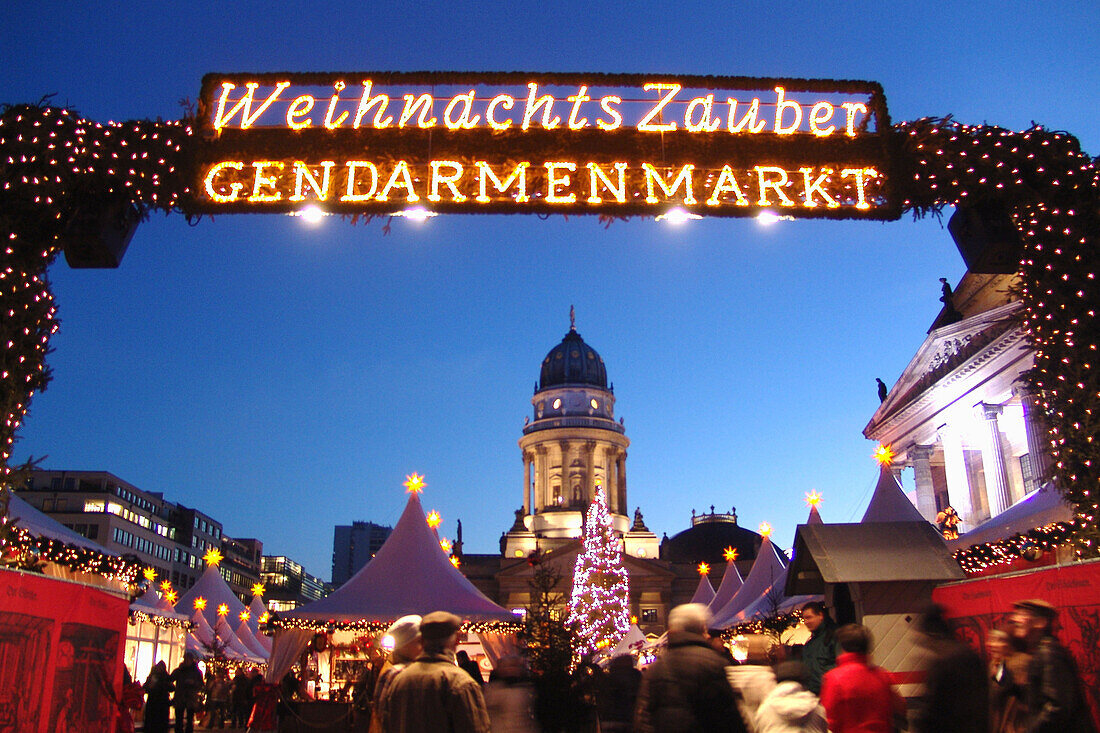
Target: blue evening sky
[285,378]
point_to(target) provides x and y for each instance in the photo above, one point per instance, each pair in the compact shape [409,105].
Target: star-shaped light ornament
[166,585]
[258,589]
[223,609]
[445,544]
[244,615]
[730,553]
[150,574]
[703,568]
[434,519]
[813,498]
[212,556]
[265,617]
[414,484]
[200,603]
[765,529]
[455,561]
[884,454]
[171,596]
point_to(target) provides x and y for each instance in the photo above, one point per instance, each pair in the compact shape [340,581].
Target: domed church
[572,445]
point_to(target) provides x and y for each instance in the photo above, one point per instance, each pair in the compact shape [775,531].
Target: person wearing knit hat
[401,633]
[432,693]
[402,640]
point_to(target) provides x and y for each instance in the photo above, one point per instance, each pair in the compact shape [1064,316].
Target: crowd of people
[1028,684]
[179,700]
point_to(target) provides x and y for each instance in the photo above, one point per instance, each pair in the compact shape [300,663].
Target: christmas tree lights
[599,605]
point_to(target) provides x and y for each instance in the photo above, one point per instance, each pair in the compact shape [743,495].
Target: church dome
[707,539]
[572,362]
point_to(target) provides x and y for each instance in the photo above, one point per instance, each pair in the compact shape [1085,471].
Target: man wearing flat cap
[1054,696]
[432,693]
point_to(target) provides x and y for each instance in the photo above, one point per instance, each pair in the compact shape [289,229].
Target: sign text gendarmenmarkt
[618,145]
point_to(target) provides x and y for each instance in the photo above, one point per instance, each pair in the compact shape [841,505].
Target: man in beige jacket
[432,693]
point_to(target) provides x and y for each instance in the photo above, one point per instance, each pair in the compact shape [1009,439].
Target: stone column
[566,488]
[542,476]
[590,471]
[608,483]
[958,482]
[920,456]
[1038,439]
[526,482]
[993,459]
[620,485]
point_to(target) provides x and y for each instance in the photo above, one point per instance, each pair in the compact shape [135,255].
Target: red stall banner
[61,646]
[976,606]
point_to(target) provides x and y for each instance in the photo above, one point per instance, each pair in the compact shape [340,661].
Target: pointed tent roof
[43,525]
[251,642]
[256,609]
[633,641]
[704,592]
[766,569]
[409,574]
[770,605]
[815,516]
[889,503]
[202,635]
[228,637]
[211,586]
[153,603]
[731,583]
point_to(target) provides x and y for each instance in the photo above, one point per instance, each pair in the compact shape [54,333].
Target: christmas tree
[598,607]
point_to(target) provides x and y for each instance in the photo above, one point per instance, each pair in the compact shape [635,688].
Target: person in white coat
[790,706]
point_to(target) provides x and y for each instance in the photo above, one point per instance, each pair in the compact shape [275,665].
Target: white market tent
[41,525]
[154,633]
[889,502]
[731,583]
[768,568]
[704,592]
[251,641]
[234,647]
[212,588]
[775,600]
[632,643]
[410,574]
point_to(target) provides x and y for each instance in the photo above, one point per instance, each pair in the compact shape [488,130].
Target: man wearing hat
[432,693]
[402,639]
[1054,697]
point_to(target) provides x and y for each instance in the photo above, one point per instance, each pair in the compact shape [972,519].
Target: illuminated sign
[616,145]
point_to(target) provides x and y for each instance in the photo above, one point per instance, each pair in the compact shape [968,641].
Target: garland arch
[63,175]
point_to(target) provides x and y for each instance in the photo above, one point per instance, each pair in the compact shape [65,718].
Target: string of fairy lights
[60,170]
[600,599]
[1051,189]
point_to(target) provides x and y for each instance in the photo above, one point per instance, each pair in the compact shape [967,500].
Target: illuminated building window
[649,615]
[557,404]
[595,405]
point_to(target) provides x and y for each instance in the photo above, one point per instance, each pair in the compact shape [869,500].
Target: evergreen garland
[59,170]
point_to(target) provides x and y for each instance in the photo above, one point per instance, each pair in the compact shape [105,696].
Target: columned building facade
[572,447]
[961,416]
